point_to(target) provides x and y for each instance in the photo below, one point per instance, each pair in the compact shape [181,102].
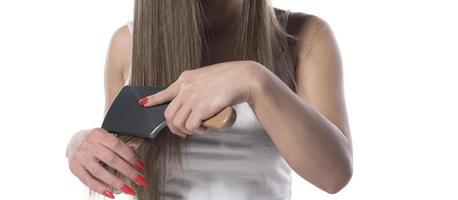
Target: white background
[400,73]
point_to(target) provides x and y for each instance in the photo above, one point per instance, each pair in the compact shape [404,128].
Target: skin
[309,128]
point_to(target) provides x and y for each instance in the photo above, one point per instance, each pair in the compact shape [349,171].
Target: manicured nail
[108,194]
[183,136]
[143,101]
[140,165]
[141,180]
[127,189]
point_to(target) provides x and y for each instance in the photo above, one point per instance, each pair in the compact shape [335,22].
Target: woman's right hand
[87,147]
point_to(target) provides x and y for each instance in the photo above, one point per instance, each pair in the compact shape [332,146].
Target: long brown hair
[170,36]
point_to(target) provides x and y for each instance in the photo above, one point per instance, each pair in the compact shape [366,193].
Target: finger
[177,131]
[194,122]
[123,178]
[160,97]
[117,174]
[88,180]
[116,162]
[103,175]
[122,149]
[180,118]
[169,114]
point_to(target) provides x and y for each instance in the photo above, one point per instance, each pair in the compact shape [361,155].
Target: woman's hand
[201,93]
[87,147]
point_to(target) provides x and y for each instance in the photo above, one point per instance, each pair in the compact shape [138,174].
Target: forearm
[313,146]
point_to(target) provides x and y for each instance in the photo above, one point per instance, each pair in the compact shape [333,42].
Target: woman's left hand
[199,94]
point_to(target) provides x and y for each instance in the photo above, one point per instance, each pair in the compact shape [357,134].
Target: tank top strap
[287,56]
[285,19]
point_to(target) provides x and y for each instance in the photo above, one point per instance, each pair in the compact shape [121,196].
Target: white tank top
[241,163]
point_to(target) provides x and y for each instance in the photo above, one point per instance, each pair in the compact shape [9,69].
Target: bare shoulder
[120,48]
[117,62]
[309,30]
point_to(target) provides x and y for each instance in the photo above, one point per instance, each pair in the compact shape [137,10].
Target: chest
[219,49]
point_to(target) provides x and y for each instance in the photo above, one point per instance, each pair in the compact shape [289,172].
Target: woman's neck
[221,13]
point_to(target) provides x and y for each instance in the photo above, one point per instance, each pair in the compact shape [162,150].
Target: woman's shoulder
[306,25]
[309,29]
[121,47]
[121,39]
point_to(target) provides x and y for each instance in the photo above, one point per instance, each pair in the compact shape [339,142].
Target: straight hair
[170,36]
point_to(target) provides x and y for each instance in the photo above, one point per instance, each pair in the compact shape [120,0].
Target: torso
[240,163]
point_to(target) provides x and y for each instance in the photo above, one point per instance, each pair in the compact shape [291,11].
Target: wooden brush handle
[222,120]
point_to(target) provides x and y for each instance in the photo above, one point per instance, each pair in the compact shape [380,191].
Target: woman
[282,73]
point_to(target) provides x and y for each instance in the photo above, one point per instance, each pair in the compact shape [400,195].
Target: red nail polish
[143,101]
[108,194]
[127,189]
[140,165]
[141,180]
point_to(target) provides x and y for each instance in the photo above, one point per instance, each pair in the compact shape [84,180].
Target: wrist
[259,81]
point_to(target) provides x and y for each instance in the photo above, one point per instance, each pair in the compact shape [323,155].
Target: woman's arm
[87,147]
[116,63]
[310,128]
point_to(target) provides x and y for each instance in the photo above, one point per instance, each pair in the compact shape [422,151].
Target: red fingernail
[143,101]
[140,165]
[183,136]
[141,181]
[108,194]
[127,189]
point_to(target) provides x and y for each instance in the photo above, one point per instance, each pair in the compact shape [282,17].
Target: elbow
[339,180]
[337,185]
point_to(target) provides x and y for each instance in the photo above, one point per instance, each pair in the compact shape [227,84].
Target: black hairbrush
[127,117]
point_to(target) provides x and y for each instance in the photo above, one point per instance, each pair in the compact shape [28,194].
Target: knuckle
[191,126]
[95,132]
[130,172]
[97,171]
[111,158]
[168,115]
[91,169]
[186,86]
[80,157]
[172,129]
[131,156]
[116,182]
[124,168]
[85,144]
[117,143]
[185,74]
[177,122]
[184,83]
